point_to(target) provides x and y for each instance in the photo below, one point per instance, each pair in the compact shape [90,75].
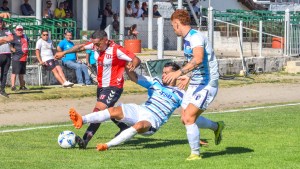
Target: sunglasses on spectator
[45,34]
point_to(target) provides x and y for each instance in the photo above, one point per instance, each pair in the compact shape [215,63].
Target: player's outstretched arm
[76,48]
[132,75]
[131,66]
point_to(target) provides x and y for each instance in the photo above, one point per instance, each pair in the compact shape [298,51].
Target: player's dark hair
[174,66]
[99,34]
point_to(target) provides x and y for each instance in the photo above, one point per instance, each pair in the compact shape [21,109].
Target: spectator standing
[60,11]
[5,55]
[48,13]
[144,11]
[116,24]
[196,9]
[156,14]
[71,61]
[106,13]
[68,11]
[44,54]
[4,6]
[19,48]
[26,8]
[128,10]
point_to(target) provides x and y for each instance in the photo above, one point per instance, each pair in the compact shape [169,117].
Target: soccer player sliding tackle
[144,119]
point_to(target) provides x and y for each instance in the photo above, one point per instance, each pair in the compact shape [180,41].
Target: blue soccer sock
[205,123]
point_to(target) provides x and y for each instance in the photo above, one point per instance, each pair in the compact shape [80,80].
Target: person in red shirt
[111,60]
[19,48]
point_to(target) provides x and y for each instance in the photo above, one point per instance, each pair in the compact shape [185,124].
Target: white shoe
[67,84]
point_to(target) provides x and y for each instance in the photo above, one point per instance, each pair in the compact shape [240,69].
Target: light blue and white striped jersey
[162,100]
[207,72]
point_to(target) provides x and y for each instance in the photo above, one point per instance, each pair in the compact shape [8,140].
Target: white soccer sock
[193,135]
[205,123]
[122,137]
[96,117]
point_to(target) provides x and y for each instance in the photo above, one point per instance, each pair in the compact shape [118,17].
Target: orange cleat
[102,147]
[76,118]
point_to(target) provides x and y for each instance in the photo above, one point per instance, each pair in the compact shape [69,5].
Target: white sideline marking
[250,108]
[33,128]
[226,111]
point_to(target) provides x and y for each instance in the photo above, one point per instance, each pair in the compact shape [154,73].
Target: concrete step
[293,67]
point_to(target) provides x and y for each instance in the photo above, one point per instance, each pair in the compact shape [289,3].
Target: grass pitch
[265,138]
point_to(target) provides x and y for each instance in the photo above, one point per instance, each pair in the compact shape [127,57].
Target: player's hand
[130,66]
[183,81]
[170,77]
[59,55]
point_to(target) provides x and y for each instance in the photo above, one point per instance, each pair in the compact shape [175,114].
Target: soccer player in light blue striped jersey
[203,79]
[145,119]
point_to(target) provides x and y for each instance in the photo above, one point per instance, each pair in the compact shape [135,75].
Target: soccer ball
[66,139]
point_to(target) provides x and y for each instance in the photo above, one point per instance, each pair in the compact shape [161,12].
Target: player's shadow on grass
[228,151]
[26,92]
[153,143]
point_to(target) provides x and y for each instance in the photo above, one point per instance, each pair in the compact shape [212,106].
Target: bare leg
[57,76]
[21,80]
[13,79]
[61,73]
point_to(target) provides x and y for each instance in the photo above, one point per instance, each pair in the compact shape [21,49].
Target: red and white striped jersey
[111,64]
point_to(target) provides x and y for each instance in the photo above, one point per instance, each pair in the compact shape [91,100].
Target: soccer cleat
[194,157]
[76,118]
[218,132]
[81,143]
[102,147]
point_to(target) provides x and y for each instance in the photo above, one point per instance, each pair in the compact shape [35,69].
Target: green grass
[265,138]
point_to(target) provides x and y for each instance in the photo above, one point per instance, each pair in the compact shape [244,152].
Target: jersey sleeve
[88,45]
[197,41]
[145,81]
[88,51]
[38,45]
[124,54]
[61,44]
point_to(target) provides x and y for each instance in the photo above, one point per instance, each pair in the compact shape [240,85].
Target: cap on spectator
[48,2]
[19,27]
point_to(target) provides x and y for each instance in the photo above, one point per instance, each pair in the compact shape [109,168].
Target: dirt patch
[49,111]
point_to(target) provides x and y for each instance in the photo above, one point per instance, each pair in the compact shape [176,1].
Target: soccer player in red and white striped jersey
[111,61]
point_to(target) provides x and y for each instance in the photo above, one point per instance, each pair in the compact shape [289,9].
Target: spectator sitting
[133,31]
[48,13]
[128,10]
[60,11]
[68,11]
[4,6]
[44,54]
[156,14]
[26,8]
[19,48]
[116,24]
[71,61]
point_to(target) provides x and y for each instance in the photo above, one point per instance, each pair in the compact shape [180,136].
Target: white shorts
[200,96]
[134,113]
